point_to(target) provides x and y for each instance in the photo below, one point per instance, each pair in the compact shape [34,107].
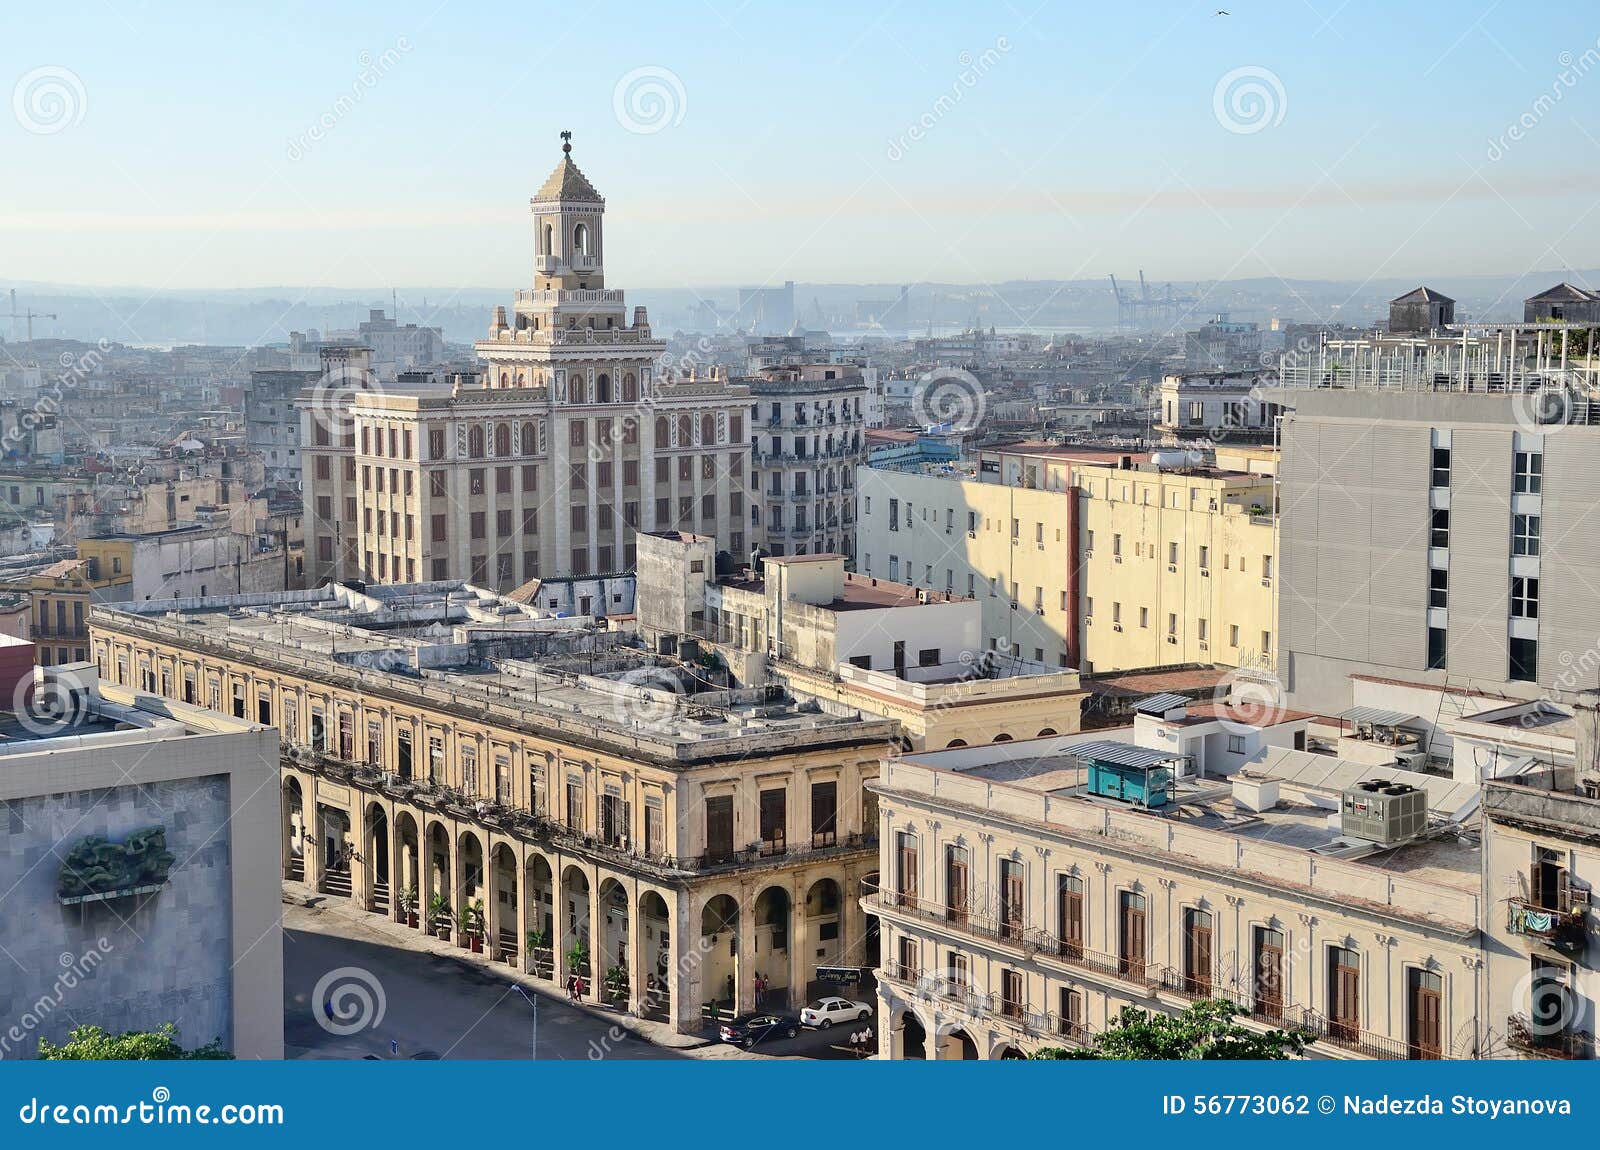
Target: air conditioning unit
[1205,572]
[1116,626]
[1383,812]
[1266,582]
[1172,638]
[1173,567]
[1040,546]
[1116,559]
[1088,554]
[1204,646]
[972,534]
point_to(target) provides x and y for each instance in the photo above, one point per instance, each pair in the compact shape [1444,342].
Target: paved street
[432,1005]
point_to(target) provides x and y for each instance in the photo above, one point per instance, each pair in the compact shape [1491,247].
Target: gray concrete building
[1437,498]
[809,436]
[141,868]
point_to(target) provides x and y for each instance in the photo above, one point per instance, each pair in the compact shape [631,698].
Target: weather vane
[566,141]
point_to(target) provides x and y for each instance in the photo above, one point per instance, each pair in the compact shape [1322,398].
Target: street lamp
[533,1002]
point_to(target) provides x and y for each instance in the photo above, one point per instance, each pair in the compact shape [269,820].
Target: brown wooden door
[1069,913]
[1011,900]
[907,876]
[1197,954]
[1131,937]
[719,828]
[1268,988]
[1344,994]
[1426,1037]
[958,886]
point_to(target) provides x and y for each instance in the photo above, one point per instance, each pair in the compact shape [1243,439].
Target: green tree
[1205,1031]
[94,1044]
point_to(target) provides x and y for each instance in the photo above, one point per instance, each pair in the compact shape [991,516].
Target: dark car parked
[749,1029]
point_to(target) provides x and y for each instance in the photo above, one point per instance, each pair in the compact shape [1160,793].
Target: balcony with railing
[1523,1035]
[1011,934]
[1558,921]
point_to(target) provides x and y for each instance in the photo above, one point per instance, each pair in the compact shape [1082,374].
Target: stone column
[524,911]
[687,972]
[744,964]
[599,960]
[558,923]
[491,900]
[638,971]
[425,891]
[799,947]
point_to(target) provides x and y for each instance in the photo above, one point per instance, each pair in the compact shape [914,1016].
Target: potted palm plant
[476,926]
[408,907]
[439,916]
[617,985]
[539,951]
[578,959]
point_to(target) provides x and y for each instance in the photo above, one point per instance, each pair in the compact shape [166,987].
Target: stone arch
[708,429]
[630,388]
[602,388]
[773,945]
[294,830]
[577,388]
[575,925]
[955,743]
[475,442]
[539,889]
[824,927]
[407,879]
[376,852]
[1046,733]
[614,942]
[580,239]
[529,439]
[1002,737]
[1008,1050]
[663,432]
[505,895]
[655,929]
[909,1038]
[957,1046]
[719,943]
[438,880]
[502,440]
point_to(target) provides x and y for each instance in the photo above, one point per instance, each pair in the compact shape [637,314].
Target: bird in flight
[1221,12]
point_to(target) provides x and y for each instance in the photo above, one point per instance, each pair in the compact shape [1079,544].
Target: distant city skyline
[757,145]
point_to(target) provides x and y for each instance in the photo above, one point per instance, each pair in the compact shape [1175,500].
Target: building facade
[1083,562]
[570,440]
[685,833]
[809,438]
[1436,526]
[182,923]
[1020,910]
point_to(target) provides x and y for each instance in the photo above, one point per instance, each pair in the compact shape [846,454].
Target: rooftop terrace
[454,647]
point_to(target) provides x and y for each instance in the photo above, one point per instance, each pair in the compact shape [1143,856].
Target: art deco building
[572,439]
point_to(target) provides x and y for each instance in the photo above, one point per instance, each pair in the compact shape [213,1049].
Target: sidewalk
[358,923]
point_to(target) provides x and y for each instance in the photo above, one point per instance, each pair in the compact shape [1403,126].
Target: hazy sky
[186,145]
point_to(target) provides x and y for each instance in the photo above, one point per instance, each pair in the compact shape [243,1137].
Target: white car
[824,1012]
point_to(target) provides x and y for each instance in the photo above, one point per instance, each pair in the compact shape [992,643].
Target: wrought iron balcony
[1561,926]
[1522,1034]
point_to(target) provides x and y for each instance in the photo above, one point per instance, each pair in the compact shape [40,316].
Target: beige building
[1541,864]
[883,648]
[571,439]
[1031,890]
[178,918]
[550,779]
[1093,560]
